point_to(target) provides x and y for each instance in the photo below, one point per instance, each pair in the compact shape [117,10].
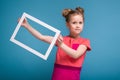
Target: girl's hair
[66,13]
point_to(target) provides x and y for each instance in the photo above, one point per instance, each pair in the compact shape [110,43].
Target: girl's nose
[78,25]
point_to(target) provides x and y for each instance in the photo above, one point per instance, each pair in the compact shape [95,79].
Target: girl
[71,49]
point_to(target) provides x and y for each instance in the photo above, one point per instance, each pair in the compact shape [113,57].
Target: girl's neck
[74,36]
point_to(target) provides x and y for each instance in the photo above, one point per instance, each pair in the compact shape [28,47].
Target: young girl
[71,49]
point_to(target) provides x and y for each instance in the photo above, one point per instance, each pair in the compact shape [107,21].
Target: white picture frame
[37,53]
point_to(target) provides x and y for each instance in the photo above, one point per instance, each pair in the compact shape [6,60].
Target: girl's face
[75,25]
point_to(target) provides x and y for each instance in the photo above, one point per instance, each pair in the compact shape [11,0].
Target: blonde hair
[66,13]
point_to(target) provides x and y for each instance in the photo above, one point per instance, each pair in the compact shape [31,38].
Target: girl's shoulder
[84,39]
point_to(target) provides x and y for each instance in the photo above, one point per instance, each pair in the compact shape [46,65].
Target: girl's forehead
[76,17]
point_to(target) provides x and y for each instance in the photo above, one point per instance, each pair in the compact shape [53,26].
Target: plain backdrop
[102,27]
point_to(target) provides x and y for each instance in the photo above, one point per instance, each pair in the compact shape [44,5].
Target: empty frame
[37,53]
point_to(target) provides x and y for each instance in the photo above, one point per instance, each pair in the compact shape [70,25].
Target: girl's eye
[80,22]
[74,22]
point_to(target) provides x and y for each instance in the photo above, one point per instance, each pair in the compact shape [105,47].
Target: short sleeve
[86,42]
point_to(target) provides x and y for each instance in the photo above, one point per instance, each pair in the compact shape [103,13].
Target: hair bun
[81,10]
[65,12]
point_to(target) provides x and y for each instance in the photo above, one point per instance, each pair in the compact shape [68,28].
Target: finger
[18,19]
[61,37]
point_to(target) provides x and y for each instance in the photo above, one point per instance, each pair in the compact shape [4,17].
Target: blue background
[102,27]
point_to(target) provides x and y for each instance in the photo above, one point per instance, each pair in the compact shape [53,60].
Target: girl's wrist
[27,26]
[61,44]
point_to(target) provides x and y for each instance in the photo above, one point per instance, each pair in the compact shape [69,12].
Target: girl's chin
[77,33]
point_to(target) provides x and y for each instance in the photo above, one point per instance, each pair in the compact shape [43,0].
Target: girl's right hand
[59,40]
[24,23]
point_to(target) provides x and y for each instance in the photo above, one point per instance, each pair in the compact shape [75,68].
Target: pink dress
[66,67]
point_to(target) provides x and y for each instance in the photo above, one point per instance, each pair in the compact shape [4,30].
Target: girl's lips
[77,29]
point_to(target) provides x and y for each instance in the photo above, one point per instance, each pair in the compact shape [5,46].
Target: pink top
[64,59]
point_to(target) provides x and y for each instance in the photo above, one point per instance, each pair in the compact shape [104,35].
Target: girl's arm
[71,52]
[74,53]
[35,33]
